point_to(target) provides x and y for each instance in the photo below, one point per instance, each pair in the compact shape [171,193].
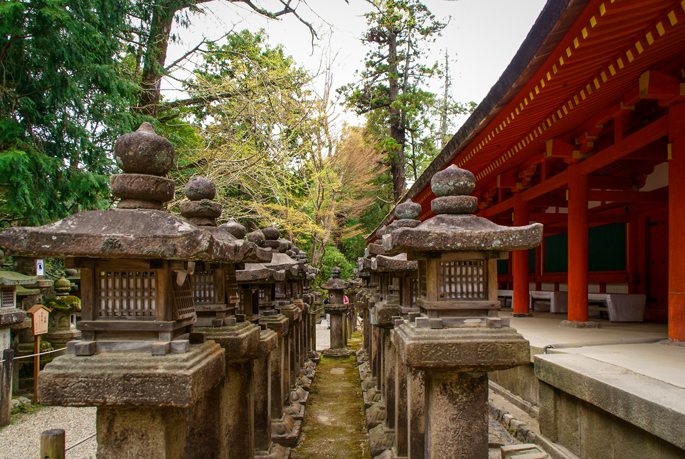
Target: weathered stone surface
[468,349]
[397,263]
[132,379]
[374,249]
[146,234]
[203,208]
[271,233]
[375,414]
[142,187]
[457,233]
[256,237]
[286,431]
[128,432]
[144,152]
[254,272]
[334,284]
[408,210]
[199,188]
[453,181]
[240,341]
[276,322]
[275,452]
[11,316]
[381,439]
[454,205]
[653,406]
[234,228]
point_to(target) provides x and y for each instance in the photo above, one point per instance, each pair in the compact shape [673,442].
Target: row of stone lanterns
[427,351]
[178,353]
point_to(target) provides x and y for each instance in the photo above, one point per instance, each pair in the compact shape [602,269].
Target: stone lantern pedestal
[8,317]
[336,308]
[154,381]
[458,336]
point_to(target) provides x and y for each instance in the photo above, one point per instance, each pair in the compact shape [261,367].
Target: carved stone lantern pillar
[137,312]
[458,338]
[336,308]
[215,293]
[270,422]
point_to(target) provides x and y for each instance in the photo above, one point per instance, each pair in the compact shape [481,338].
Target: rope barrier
[40,353]
[33,355]
[80,441]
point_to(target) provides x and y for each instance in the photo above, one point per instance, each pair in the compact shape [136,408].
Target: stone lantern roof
[335,282]
[138,228]
[398,263]
[13,278]
[453,228]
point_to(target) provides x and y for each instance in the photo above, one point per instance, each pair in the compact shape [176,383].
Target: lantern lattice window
[183,299]
[7,300]
[262,294]
[414,291]
[203,287]
[127,294]
[462,280]
[422,279]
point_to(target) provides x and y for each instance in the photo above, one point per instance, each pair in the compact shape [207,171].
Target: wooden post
[6,368]
[676,222]
[36,366]
[577,244]
[520,261]
[52,444]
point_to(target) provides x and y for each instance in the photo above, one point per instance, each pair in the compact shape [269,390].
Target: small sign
[40,267]
[41,315]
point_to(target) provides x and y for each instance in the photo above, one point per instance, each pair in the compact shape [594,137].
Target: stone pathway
[333,425]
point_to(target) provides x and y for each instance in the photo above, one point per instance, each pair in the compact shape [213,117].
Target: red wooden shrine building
[585,133]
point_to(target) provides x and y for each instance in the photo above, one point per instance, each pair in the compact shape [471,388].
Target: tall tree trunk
[155,55]
[443,110]
[397,131]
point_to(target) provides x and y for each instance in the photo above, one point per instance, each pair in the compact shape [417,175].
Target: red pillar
[676,223]
[577,244]
[520,260]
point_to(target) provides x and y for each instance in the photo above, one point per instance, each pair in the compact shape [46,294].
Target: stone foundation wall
[519,381]
[590,432]
[598,410]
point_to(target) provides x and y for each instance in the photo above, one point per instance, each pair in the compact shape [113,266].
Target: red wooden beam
[629,196]
[592,218]
[648,134]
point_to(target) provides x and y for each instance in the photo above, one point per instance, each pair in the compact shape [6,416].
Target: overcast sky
[482,37]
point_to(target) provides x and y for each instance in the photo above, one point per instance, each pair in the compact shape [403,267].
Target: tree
[390,86]
[63,99]
[150,33]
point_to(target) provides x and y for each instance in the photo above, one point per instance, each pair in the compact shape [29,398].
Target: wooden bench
[620,307]
[503,295]
[558,301]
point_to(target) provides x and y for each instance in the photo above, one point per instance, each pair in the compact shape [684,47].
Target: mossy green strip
[334,420]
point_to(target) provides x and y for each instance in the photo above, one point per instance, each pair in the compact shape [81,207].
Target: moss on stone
[69,303]
[333,426]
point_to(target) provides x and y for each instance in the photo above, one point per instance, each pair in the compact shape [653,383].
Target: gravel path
[21,440]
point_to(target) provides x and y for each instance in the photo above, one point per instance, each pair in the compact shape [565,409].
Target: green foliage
[63,100]
[331,259]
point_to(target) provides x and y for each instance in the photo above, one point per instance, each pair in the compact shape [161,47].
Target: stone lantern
[458,336]
[335,307]
[137,310]
[63,307]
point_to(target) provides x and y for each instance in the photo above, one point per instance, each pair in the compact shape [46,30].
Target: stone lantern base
[456,362]
[147,404]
